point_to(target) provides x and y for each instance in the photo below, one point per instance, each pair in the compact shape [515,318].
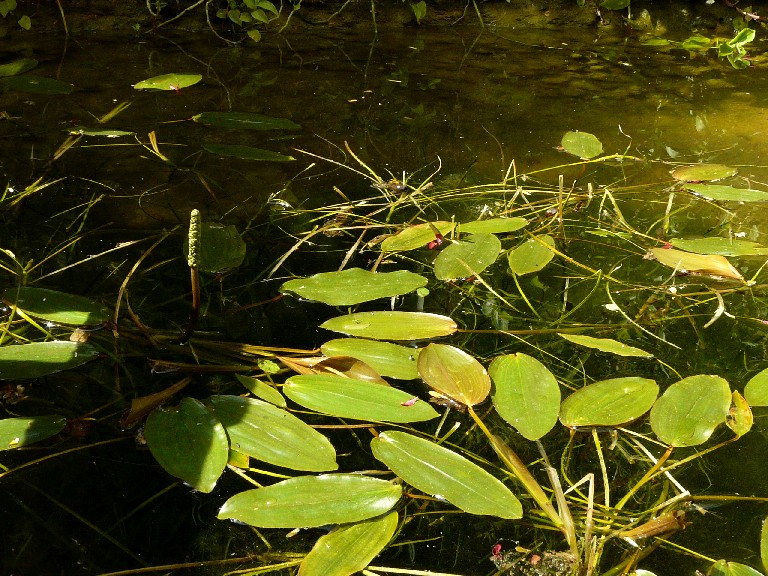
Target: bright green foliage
[532,255]
[392,360]
[454,373]
[392,325]
[467,257]
[698,172]
[18,432]
[446,475]
[727,193]
[168,82]
[57,307]
[609,402]
[606,345]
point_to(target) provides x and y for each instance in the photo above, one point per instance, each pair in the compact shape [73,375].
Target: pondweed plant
[567,428]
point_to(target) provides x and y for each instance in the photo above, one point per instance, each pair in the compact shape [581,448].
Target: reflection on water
[466,100]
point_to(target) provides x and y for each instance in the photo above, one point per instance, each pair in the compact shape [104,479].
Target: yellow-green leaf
[417,236]
[168,82]
[705,264]
[610,402]
[388,359]
[454,373]
[606,345]
[532,255]
[392,325]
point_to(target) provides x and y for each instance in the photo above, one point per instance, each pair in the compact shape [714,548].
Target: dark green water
[466,100]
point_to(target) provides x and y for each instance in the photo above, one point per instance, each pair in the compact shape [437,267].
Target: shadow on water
[459,99]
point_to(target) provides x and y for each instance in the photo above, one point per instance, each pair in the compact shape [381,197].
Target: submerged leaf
[36,85]
[392,360]
[582,144]
[244,121]
[392,325]
[270,434]
[445,475]
[312,501]
[454,374]
[606,345]
[609,402]
[699,172]
[467,257]
[704,264]
[358,399]
[727,193]
[37,359]
[526,394]
[17,432]
[349,548]
[532,255]
[189,443]
[689,411]
[18,66]
[354,286]
[221,247]
[246,152]
[168,82]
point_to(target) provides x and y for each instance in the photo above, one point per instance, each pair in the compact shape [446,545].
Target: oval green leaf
[582,144]
[246,152]
[358,399]
[724,568]
[312,501]
[221,247]
[36,85]
[756,390]
[270,434]
[727,193]
[606,345]
[17,432]
[493,226]
[37,359]
[349,549]
[446,475]
[18,66]
[189,443]
[353,286]
[244,121]
[740,418]
[706,264]
[532,255]
[689,411]
[698,172]
[467,257]
[262,390]
[721,246]
[417,236]
[525,394]
[609,402]
[168,82]
[392,325]
[392,360]
[454,373]
[58,307]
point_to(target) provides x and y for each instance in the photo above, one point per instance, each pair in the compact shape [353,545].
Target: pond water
[460,103]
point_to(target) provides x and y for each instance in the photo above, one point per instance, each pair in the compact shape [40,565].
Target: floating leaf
[724,568]
[532,255]
[417,236]
[244,121]
[764,545]
[701,172]
[18,66]
[609,402]
[17,432]
[392,325]
[265,432]
[221,248]
[189,443]
[168,82]
[312,501]
[493,226]
[727,193]
[756,390]
[350,548]
[454,373]
[348,398]
[582,144]
[467,257]
[721,246]
[445,475]
[36,85]
[392,360]
[740,417]
[689,411]
[37,359]
[704,264]
[606,345]
[102,132]
[246,152]
[525,394]
[262,390]
[58,307]
[354,286]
